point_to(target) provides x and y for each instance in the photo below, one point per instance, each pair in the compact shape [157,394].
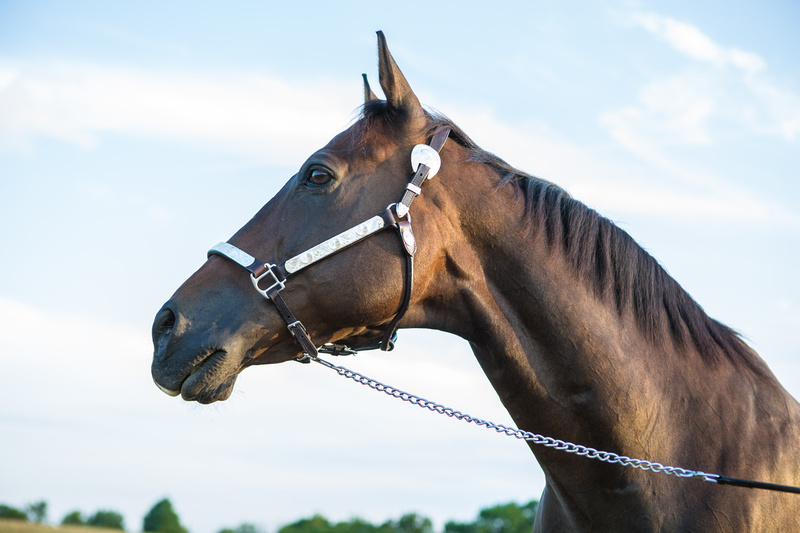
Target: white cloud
[746,61]
[731,96]
[46,352]
[671,111]
[661,186]
[678,107]
[262,116]
[239,112]
[683,37]
[692,42]
[782,107]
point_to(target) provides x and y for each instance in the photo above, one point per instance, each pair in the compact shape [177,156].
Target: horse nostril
[169,323]
[163,325]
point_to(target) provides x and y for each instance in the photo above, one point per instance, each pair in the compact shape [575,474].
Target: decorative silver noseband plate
[334,244]
[233,253]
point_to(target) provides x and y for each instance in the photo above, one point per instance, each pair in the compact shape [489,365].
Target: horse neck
[568,364]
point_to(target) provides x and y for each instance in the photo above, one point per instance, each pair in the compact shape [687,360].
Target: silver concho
[422,153]
[334,244]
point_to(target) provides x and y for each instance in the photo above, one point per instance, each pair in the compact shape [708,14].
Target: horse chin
[207,394]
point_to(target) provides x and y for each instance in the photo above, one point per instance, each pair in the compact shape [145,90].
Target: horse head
[216,324]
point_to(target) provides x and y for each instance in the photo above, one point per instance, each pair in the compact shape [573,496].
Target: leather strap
[296,328]
[414,187]
[403,225]
[439,138]
[387,344]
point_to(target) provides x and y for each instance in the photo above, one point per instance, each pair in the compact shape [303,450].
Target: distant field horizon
[20,526]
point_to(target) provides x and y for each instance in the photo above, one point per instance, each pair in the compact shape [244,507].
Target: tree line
[162,518]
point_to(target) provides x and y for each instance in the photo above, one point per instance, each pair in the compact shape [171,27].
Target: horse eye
[320,176]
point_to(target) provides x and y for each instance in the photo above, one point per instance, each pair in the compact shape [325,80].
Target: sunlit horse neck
[582,334]
[585,336]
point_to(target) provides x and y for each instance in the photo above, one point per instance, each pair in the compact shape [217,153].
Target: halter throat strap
[269,279]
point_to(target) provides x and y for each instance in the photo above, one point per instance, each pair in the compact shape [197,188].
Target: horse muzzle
[188,365]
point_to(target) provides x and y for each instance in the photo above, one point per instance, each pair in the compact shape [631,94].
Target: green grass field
[18,526]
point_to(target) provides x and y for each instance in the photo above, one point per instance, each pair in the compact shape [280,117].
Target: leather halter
[425,161]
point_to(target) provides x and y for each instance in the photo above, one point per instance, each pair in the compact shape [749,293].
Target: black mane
[617,269]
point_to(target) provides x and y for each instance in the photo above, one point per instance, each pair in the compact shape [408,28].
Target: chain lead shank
[550,442]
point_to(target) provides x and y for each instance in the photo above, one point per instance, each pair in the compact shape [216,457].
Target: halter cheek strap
[269,279]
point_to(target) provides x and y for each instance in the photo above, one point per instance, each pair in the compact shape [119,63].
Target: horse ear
[395,86]
[369,96]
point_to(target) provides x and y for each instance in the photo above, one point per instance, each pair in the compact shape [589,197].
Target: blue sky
[134,136]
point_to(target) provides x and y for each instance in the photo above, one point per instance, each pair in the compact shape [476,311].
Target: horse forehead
[360,143]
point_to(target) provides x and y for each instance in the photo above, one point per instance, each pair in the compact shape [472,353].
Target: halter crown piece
[269,279]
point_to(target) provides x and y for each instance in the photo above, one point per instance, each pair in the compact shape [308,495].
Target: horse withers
[581,333]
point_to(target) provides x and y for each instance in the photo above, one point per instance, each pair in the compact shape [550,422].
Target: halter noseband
[425,161]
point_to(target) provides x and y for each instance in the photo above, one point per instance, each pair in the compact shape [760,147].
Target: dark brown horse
[582,334]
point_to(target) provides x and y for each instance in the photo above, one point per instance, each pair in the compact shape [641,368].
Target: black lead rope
[724,480]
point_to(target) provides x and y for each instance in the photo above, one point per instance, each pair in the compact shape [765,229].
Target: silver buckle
[276,282]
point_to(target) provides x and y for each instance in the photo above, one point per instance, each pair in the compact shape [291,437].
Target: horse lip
[195,367]
[195,387]
[168,392]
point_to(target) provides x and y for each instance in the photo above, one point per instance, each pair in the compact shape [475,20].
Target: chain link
[549,442]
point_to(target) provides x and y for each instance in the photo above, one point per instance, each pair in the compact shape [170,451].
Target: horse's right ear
[395,86]
[369,96]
